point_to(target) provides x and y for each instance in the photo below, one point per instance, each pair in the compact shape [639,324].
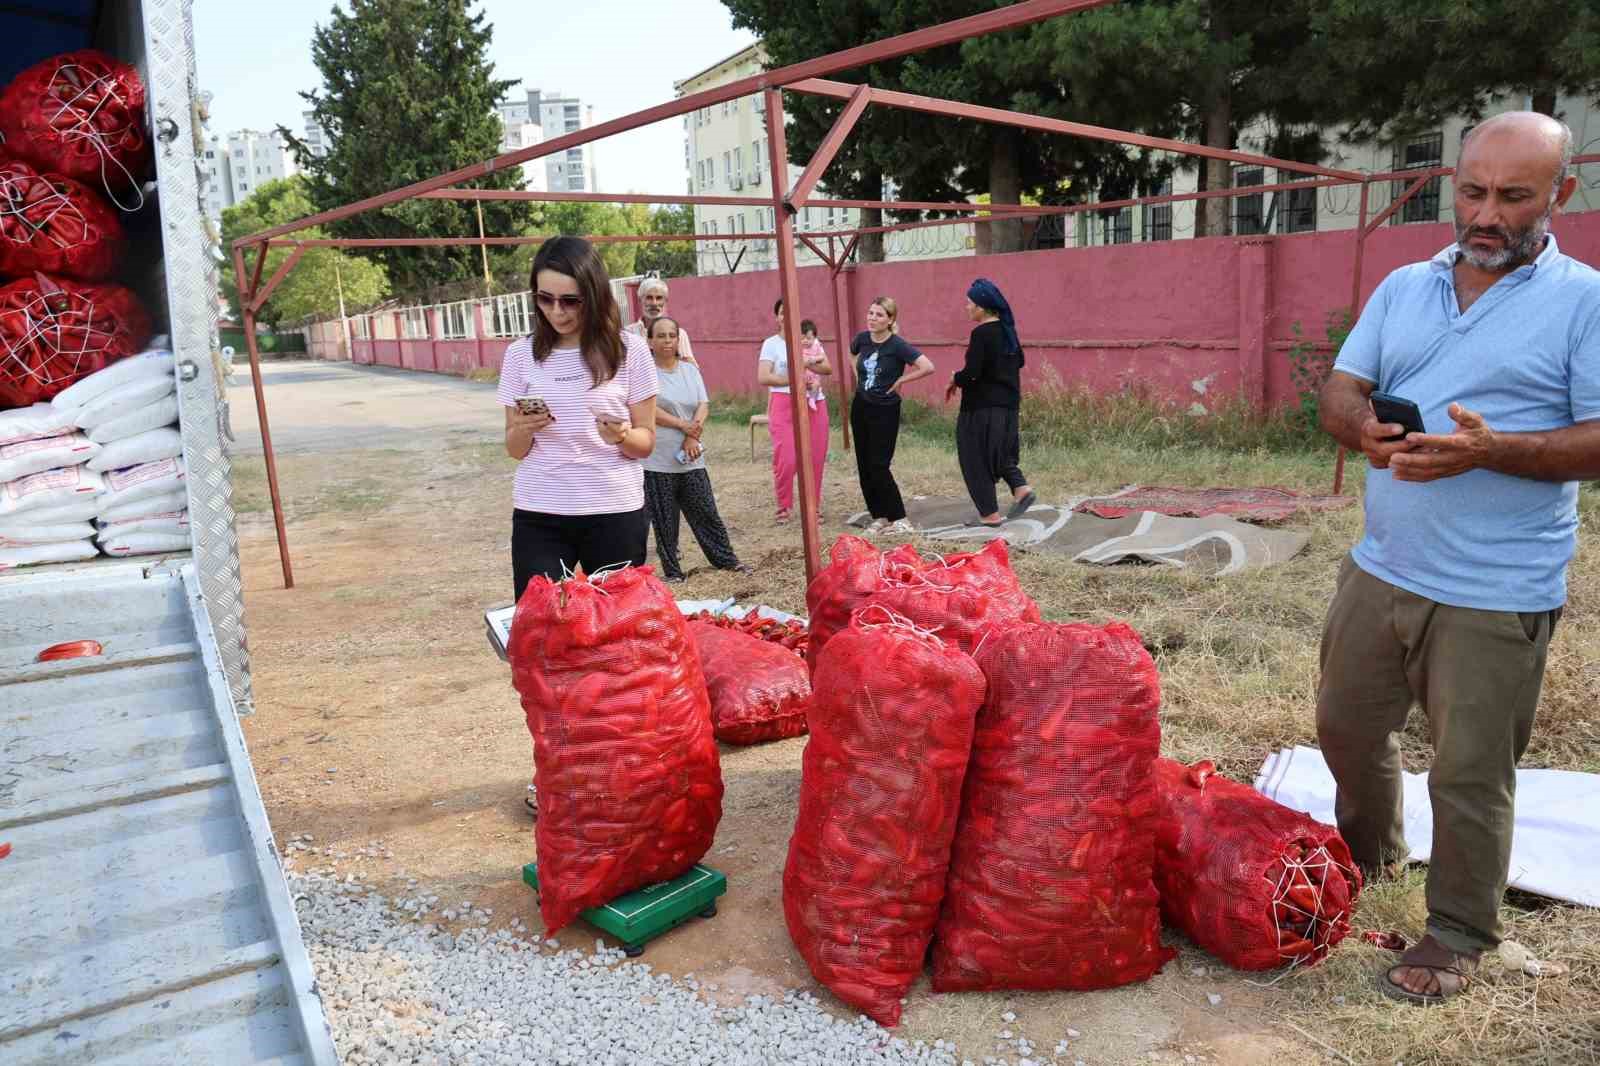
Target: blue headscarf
[986,294]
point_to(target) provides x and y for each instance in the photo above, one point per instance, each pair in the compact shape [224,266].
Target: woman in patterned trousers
[675,478]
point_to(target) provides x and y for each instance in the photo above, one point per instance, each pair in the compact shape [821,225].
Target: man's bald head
[1512,177]
[1524,133]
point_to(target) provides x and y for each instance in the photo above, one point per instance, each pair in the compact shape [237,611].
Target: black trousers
[989,445]
[666,496]
[877,430]
[546,543]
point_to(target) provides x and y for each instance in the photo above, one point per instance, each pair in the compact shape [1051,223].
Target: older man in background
[1451,596]
[653,304]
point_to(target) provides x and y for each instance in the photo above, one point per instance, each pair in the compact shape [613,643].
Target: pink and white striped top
[571,470]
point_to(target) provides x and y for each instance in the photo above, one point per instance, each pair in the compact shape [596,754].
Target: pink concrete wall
[1187,321]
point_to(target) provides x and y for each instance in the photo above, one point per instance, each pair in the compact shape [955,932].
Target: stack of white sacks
[98,468]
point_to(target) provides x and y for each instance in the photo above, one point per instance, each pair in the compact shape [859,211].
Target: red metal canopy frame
[806,77]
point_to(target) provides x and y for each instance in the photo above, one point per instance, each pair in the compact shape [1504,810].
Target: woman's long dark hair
[601,335]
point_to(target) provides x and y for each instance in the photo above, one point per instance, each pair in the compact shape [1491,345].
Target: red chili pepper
[72,649]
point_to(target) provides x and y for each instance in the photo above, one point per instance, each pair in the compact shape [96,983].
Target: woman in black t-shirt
[885,365]
[988,440]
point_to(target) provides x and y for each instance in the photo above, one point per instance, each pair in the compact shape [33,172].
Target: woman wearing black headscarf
[987,438]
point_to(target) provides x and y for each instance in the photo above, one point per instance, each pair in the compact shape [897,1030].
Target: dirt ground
[383,716]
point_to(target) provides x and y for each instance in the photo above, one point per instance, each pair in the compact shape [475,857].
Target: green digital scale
[642,915]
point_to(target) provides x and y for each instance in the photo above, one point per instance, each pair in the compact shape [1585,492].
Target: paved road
[315,407]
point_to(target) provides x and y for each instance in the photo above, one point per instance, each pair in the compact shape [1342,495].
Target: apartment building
[235,165]
[1338,208]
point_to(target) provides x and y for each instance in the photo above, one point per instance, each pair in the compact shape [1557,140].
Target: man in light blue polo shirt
[1450,598]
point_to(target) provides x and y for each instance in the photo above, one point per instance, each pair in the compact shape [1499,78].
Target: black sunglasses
[568,302]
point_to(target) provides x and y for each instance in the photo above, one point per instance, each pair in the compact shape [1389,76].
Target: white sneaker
[902,528]
[878,526]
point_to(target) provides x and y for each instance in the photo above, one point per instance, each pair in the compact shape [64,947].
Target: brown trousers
[1477,676]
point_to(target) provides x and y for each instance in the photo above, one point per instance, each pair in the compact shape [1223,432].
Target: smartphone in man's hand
[1397,410]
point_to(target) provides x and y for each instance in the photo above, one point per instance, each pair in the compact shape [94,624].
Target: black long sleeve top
[992,376]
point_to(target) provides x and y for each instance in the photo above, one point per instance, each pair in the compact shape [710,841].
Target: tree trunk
[1212,218]
[870,247]
[1215,214]
[1005,187]
[1544,102]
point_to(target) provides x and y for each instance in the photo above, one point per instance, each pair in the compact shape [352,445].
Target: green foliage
[408,92]
[596,220]
[312,287]
[670,260]
[1405,66]
[1310,364]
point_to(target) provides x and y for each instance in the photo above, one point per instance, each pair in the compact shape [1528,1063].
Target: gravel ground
[399,987]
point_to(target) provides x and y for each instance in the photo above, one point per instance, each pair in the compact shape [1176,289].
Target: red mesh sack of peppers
[759,691]
[81,114]
[1254,883]
[891,729]
[958,596]
[54,331]
[629,786]
[52,223]
[1050,878]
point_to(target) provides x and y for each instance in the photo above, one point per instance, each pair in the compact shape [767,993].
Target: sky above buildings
[617,55]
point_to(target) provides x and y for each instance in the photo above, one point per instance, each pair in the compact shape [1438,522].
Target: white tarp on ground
[1213,545]
[1555,849]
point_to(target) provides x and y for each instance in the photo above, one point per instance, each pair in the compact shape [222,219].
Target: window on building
[362,327]
[1116,226]
[1248,211]
[711,171]
[414,323]
[1158,217]
[713,225]
[1297,208]
[455,321]
[727,167]
[755,163]
[211,154]
[761,103]
[1419,153]
[738,160]
[724,109]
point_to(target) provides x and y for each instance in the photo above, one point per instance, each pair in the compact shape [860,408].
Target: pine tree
[1396,67]
[408,92]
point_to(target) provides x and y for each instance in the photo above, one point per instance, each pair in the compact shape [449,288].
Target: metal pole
[488,283]
[789,286]
[1355,311]
[841,345]
[344,323]
[249,316]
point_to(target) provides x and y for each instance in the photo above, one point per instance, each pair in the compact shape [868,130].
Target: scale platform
[642,915]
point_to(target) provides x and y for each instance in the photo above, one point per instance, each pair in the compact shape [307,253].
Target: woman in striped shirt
[580,416]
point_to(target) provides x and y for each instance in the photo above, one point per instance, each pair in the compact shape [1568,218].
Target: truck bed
[147,919]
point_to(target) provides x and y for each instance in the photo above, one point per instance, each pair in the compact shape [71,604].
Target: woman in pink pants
[773,371]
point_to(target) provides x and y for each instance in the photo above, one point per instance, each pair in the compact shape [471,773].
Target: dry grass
[1238,660]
